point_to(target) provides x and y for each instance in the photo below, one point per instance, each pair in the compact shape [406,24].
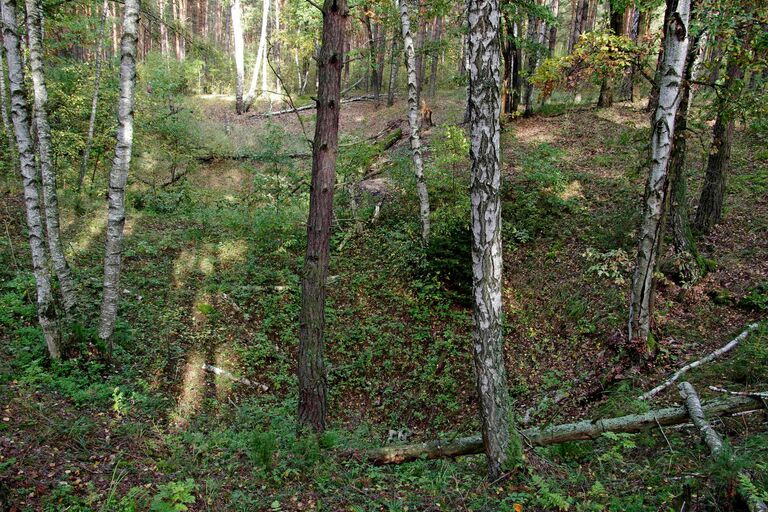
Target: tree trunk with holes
[413,120]
[118,175]
[46,311]
[48,173]
[239,46]
[710,209]
[95,99]
[662,134]
[688,260]
[313,386]
[487,262]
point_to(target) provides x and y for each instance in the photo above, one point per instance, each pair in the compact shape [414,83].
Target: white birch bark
[4,105]
[663,130]
[95,100]
[237,35]
[485,130]
[119,173]
[413,119]
[260,55]
[46,312]
[50,197]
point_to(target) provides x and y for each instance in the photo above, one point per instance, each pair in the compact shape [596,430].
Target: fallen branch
[712,439]
[231,376]
[711,357]
[311,106]
[756,394]
[579,431]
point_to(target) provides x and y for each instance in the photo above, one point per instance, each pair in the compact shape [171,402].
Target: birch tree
[119,173]
[239,48]
[485,129]
[50,197]
[662,135]
[313,386]
[46,311]
[95,100]
[260,55]
[4,104]
[413,119]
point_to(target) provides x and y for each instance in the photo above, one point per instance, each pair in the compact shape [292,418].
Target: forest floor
[211,277]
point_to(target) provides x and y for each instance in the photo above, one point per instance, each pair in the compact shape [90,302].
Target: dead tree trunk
[313,386]
[485,186]
[663,131]
[710,208]
[580,431]
[239,45]
[46,311]
[118,175]
[95,100]
[413,120]
[50,196]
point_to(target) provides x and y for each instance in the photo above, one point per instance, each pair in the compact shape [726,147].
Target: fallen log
[231,376]
[714,355]
[311,106]
[579,431]
[712,439]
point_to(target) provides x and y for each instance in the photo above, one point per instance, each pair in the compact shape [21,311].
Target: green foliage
[174,496]
[756,298]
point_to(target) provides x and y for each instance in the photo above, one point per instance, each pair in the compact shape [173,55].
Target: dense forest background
[244,342]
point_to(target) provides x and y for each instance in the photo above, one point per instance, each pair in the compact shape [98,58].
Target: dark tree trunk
[517,62]
[653,96]
[313,386]
[507,50]
[394,67]
[578,20]
[436,35]
[606,87]
[710,208]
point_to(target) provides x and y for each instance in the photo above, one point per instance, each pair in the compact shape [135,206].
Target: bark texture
[95,100]
[7,127]
[50,197]
[579,431]
[261,56]
[710,209]
[239,48]
[118,175]
[313,386]
[46,311]
[663,131]
[484,62]
[411,66]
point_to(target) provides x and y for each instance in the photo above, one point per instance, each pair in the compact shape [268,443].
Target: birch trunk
[710,208]
[413,119]
[46,311]
[663,131]
[394,67]
[4,104]
[50,197]
[237,35]
[119,173]
[261,54]
[313,385]
[485,154]
[95,100]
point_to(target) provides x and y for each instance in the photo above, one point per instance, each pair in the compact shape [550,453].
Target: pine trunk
[394,67]
[663,131]
[710,209]
[313,385]
[486,232]
[95,100]
[46,311]
[118,175]
[239,45]
[413,120]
